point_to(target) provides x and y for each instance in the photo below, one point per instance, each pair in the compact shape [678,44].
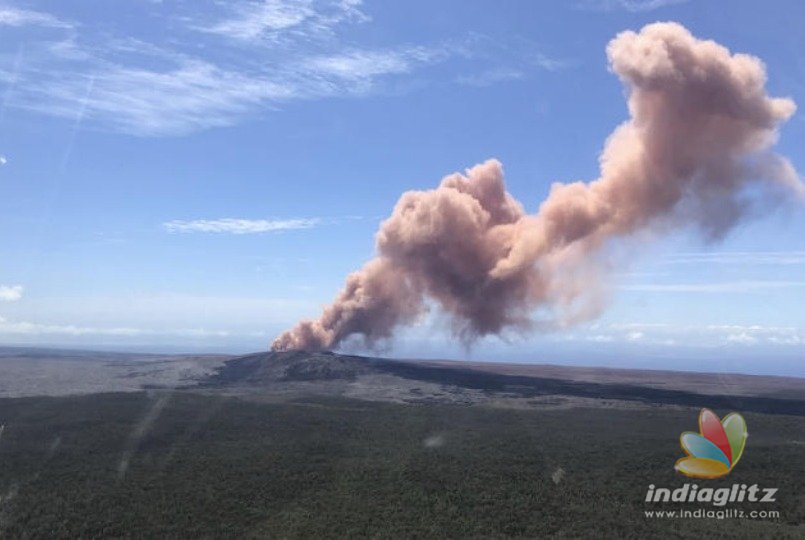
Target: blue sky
[198,175]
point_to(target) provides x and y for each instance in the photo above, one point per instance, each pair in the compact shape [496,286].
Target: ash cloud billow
[696,150]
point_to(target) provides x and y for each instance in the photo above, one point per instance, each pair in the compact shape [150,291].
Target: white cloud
[255,18]
[165,310]
[197,94]
[194,94]
[269,20]
[633,6]
[34,329]
[3,160]
[10,293]
[204,95]
[711,334]
[490,77]
[737,258]
[634,336]
[238,226]
[160,317]
[598,334]
[743,338]
[638,327]
[723,287]
[647,5]
[511,61]
[787,340]
[10,16]
[153,88]
[547,63]
[251,56]
[364,64]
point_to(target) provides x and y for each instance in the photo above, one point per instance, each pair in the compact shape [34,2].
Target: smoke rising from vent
[695,151]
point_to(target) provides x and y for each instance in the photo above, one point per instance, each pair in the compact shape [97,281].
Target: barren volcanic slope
[29,371]
[282,373]
[279,376]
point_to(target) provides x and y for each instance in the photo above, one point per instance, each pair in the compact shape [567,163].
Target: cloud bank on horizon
[696,150]
[10,293]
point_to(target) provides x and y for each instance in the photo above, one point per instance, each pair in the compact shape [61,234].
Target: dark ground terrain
[279,446]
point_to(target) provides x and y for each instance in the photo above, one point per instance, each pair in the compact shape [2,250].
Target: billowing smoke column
[695,149]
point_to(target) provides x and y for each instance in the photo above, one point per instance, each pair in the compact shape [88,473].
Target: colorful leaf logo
[716,449]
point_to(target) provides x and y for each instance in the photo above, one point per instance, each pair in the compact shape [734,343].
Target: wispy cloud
[223,63]
[238,226]
[706,334]
[34,329]
[742,338]
[721,287]
[546,62]
[364,64]
[11,16]
[634,335]
[185,93]
[517,59]
[254,19]
[10,293]
[3,160]
[738,258]
[153,315]
[632,6]
[270,20]
[194,95]
[490,77]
